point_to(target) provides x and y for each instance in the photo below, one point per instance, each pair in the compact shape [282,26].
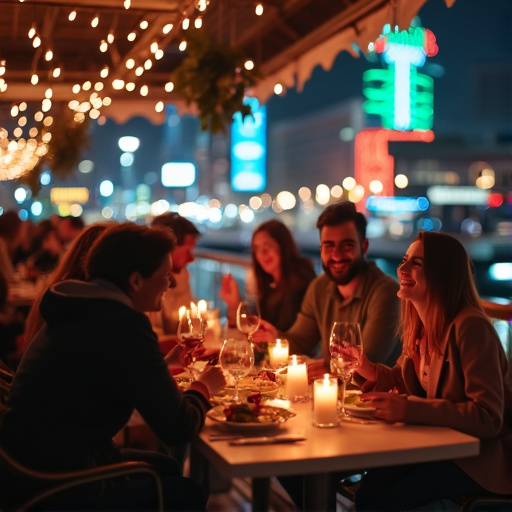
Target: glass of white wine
[236,358]
[346,349]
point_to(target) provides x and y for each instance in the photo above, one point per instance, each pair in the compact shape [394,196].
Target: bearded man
[351,289]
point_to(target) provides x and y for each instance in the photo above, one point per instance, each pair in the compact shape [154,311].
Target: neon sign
[249,149]
[401,96]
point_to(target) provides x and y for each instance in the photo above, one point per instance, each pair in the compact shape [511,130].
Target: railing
[207,270]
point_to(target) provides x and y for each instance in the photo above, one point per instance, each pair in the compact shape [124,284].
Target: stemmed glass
[190,335]
[346,349]
[237,358]
[248,317]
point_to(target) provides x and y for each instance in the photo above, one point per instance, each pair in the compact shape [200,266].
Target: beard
[356,267]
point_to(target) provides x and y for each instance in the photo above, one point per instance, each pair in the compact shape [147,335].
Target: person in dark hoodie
[96,361]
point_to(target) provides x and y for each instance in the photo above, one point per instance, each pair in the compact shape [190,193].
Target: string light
[144,24]
[110,37]
[167,28]
[130,64]
[2,67]
[127,4]
[48,56]
[198,23]
[104,72]
[131,36]
[144,90]
[56,72]
[95,21]
[34,79]
[36,42]
[259,10]
[32,31]
[185,24]
[183,46]
[72,16]
[103,46]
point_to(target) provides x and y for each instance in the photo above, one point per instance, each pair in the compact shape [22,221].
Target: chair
[62,481]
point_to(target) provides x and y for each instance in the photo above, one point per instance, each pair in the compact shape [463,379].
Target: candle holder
[325,399]
[297,379]
[278,353]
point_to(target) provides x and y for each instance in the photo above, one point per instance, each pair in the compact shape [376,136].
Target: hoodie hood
[71,298]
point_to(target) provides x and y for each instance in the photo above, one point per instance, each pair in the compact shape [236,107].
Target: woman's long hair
[71,266]
[451,288]
[295,268]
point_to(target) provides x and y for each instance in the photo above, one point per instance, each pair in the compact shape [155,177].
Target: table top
[348,447]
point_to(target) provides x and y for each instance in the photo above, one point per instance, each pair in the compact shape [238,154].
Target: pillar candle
[297,379]
[325,393]
[278,353]
[181,312]
[201,307]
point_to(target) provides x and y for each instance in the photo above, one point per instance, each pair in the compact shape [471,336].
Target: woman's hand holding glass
[346,350]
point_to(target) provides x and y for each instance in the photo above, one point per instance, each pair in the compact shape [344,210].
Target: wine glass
[237,358]
[248,317]
[190,335]
[346,349]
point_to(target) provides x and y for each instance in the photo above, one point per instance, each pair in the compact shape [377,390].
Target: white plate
[217,414]
[360,412]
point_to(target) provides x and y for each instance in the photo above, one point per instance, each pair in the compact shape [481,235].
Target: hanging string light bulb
[259,9]
[95,21]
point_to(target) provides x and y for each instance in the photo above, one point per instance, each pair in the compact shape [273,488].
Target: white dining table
[349,447]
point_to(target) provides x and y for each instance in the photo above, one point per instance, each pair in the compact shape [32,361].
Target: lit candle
[325,393]
[181,311]
[202,306]
[193,310]
[278,354]
[297,379]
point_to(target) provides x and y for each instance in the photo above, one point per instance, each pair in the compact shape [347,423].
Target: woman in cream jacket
[452,373]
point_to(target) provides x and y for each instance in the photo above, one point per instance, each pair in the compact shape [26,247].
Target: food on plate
[254,411]
[264,382]
[355,401]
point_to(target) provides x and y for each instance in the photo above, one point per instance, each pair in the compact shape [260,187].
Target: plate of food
[357,407]
[265,382]
[253,415]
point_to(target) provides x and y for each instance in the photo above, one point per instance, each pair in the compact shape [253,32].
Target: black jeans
[405,487]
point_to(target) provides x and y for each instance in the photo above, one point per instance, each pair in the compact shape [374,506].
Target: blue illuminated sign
[379,204]
[249,150]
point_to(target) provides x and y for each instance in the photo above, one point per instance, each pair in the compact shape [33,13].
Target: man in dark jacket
[95,362]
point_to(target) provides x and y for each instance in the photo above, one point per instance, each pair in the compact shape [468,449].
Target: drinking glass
[346,349]
[248,317]
[190,335]
[237,358]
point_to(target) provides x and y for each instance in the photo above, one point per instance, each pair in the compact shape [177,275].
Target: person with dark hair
[279,276]
[12,233]
[96,361]
[451,373]
[166,320]
[351,289]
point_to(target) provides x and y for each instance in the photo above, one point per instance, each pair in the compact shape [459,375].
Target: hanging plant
[214,78]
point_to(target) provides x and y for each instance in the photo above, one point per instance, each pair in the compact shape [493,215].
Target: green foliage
[215,79]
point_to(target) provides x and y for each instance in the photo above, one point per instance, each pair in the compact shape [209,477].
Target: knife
[244,441]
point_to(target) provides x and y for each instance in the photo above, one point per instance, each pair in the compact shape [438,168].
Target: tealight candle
[278,354]
[325,396]
[297,379]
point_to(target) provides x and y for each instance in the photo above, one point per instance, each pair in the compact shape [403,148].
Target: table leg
[260,494]
[319,493]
